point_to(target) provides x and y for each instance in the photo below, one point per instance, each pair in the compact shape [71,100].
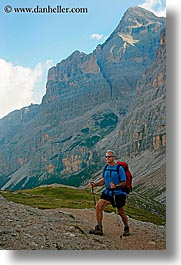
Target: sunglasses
[108,156]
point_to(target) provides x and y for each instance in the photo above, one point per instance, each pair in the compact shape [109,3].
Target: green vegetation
[105,120]
[67,197]
[88,142]
[85,130]
[91,141]
[89,137]
[143,215]
[51,197]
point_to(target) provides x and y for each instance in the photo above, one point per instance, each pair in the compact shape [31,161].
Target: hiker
[114,193]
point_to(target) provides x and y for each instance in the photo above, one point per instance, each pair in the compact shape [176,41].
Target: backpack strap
[104,170]
[117,170]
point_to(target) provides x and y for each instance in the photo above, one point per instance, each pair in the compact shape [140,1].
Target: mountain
[143,130]
[90,105]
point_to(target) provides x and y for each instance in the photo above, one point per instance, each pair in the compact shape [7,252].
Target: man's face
[109,157]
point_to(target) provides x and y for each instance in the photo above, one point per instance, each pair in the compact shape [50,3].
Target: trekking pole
[116,211]
[93,195]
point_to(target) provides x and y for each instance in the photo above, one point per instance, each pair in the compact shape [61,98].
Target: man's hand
[112,185]
[99,183]
[92,184]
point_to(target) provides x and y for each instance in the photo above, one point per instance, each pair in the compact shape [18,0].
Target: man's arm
[120,184]
[99,183]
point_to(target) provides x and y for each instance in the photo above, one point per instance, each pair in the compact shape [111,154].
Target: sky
[31,43]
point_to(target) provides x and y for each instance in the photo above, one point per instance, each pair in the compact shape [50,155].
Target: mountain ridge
[87,96]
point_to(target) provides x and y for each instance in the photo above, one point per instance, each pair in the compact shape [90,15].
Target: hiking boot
[97,231]
[126,231]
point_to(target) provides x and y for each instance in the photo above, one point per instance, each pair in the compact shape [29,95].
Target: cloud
[19,85]
[156,6]
[99,37]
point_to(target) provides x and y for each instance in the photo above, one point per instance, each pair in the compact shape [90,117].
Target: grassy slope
[66,197]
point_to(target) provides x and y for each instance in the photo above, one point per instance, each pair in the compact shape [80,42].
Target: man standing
[114,193]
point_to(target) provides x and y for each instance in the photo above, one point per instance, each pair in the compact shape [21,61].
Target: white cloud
[99,37]
[20,86]
[156,6]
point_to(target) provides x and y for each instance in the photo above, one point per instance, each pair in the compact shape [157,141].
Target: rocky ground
[23,227]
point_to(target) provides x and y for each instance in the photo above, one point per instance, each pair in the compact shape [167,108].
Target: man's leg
[125,221]
[101,204]
[123,215]
[99,216]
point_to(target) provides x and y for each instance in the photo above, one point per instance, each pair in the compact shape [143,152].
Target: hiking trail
[24,227]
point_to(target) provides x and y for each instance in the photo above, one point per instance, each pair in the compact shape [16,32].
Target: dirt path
[143,235]
[23,227]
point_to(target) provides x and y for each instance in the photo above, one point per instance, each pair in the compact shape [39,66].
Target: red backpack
[128,187]
[129,177]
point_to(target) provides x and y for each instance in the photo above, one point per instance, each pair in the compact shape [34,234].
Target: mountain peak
[76,54]
[136,12]
[136,17]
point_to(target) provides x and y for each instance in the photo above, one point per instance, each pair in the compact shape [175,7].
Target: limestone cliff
[92,101]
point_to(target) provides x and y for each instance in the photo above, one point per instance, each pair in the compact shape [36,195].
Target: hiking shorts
[120,199]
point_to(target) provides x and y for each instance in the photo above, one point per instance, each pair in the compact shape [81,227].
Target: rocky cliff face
[142,136]
[75,84]
[129,49]
[64,138]
[144,126]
